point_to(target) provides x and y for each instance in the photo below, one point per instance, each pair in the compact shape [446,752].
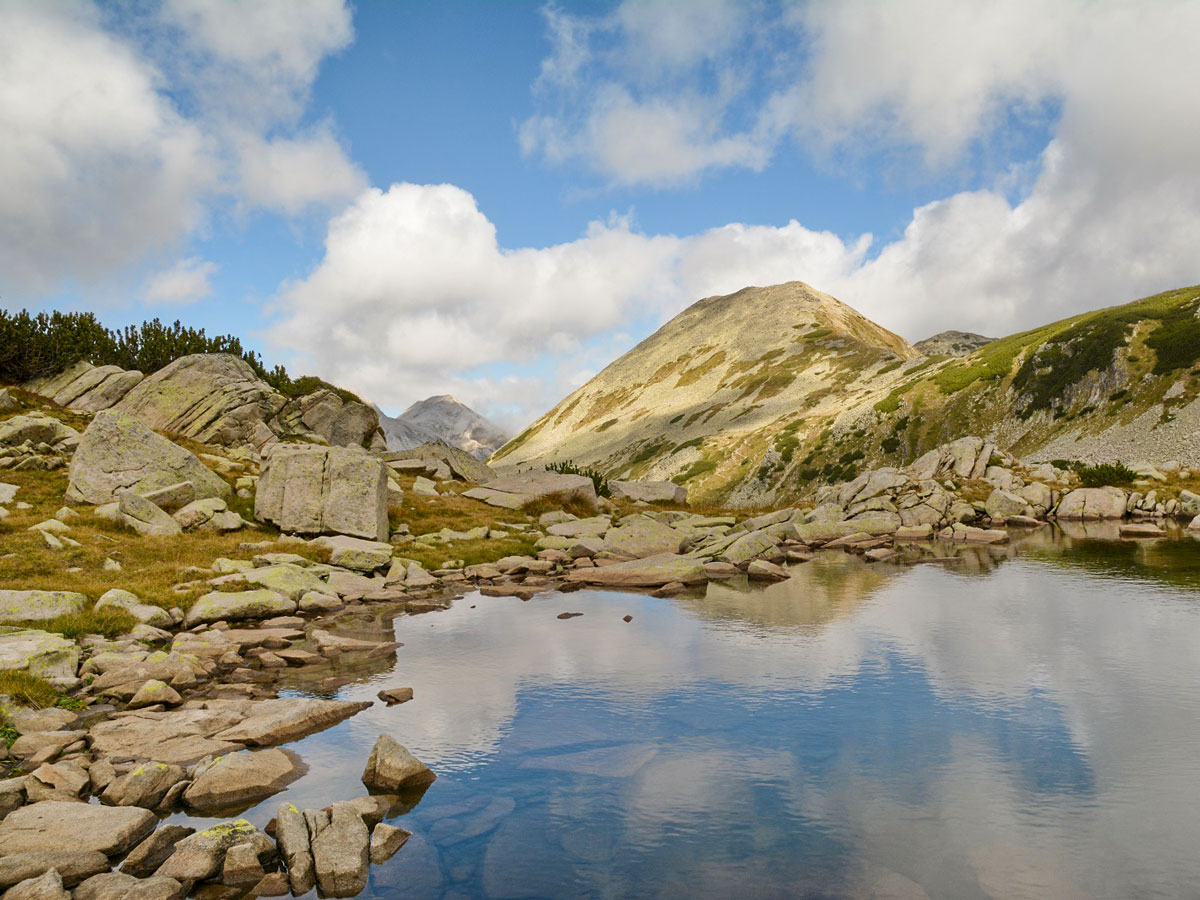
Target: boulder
[73,866]
[38,428]
[144,517]
[238,605]
[145,613]
[649,491]
[761,570]
[1189,504]
[340,848]
[144,785]
[332,418]
[144,859]
[748,547]
[119,453]
[1093,503]
[461,464]
[390,767]
[385,841]
[357,554]
[39,606]
[654,571]
[120,886]
[872,523]
[306,490]
[514,491]
[41,653]
[641,536]
[1002,504]
[241,779]
[45,887]
[63,781]
[66,825]
[286,579]
[291,833]
[201,856]
[154,692]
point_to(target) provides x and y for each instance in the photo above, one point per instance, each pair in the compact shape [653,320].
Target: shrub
[890,444]
[569,468]
[1105,475]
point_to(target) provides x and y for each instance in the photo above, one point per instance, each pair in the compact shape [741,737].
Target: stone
[1093,503]
[761,570]
[649,491]
[274,884]
[1189,504]
[641,536]
[39,606]
[40,653]
[37,428]
[461,464]
[132,604]
[291,833]
[719,570]
[73,866]
[238,605]
[514,491]
[318,601]
[356,553]
[151,853]
[118,453]
[393,696]
[56,782]
[390,767]
[748,547]
[45,887]
[241,779]
[173,496]
[153,692]
[201,856]
[425,487]
[330,644]
[241,866]
[52,719]
[386,840]
[121,886]
[340,847]
[145,785]
[66,825]
[306,490]
[1002,503]
[1141,530]
[33,744]
[653,571]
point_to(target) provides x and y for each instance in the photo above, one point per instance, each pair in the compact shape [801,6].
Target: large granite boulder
[69,825]
[86,388]
[324,490]
[39,606]
[38,428]
[462,465]
[144,517]
[1094,503]
[649,491]
[340,848]
[119,453]
[241,779]
[338,421]
[1001,504]
[514,491]
[41,653]
[641,536]
[231,606]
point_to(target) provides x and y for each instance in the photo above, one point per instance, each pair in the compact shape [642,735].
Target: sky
[496,198]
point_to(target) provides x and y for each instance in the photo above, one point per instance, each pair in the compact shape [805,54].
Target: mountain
[442,418]
[952,343]
[757,397]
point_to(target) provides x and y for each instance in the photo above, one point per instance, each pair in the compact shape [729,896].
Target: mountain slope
[758,397]
[442,418]
[952,343]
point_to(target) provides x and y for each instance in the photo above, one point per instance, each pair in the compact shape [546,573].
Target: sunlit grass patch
[27,690]
[472,553]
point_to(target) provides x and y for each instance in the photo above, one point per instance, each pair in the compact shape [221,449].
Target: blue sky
[494,199]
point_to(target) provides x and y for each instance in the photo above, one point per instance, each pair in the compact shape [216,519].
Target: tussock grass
[27,690]
[472,553]
[107,622]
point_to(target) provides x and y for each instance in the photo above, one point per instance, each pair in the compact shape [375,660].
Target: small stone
[391,767]
[45,887]
[627,618]
[144,860]
[241,866]
[392,696]
[568,615]
[154,692]
[385,841]
[273,885]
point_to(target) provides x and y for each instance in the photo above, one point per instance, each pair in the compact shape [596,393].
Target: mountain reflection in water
[1021,724]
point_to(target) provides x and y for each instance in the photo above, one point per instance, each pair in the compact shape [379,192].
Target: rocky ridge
[442,419]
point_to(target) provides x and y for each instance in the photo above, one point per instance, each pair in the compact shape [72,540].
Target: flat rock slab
[238,605]
[66,825]
[242,779]
[216,727]
[39,606]
[514,491]
[40,653]
[654,571]
[72,865]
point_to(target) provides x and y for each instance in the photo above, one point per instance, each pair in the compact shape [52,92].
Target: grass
[27,690]
[576,506]
[695,470]
[107,622]
[450,510]
[472,553]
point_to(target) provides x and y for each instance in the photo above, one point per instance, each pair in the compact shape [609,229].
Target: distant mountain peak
[952,343]
[445,419]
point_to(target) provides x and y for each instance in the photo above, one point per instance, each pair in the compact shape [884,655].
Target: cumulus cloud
[122,127]
[185,282]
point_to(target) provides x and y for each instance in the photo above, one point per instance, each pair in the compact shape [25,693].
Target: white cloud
[122,128]
[185,282]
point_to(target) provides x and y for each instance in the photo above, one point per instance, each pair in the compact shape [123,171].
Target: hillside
[758,397]
[952,343]
[442,418]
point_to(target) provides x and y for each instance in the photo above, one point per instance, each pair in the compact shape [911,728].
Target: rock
[393,696]
[56,782]
[173,496]
[241,866]
[119,453]
[58,825]
[318,601]
[514,491]
[47,743]
[391,767]
[719,570]
[1189,504]
[747,547]
[385,841]
[1093,503]
[291,833]
[151,853]
[641,536]
[649,491]
[761,570]
[653,571]
[41,653]
[238,605]
[1037,495]
[241,779]
[132,604]
[425,487]
[144,517]
[462,465]
[73,866]
[287,719]
[914,533]
[1001,504]
[873,523]
[120,886]
[37,428]
[201,856]
[1194,525]
[329,644]
[340,847]
[39,606]
[357,554]
[324,491]
[52,719]
[273,885]
[45,887]
[146,785]
[1141,530]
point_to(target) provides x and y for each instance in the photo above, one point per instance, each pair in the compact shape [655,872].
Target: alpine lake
[1021,722]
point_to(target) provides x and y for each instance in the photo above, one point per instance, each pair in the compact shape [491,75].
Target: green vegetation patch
[570,468]
[1176,342]
[1105,475]
[695,470]
[25,690]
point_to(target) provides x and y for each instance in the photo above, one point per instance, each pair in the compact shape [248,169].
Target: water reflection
[1019,724]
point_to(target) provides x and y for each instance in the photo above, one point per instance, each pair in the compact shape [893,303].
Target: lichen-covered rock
[641,536]
[38,428]
[291,833]
[1093,503]
[241,779]
[154,692]
[201,856]
[144,517]
[356,553]
[514,491]
[145,785]
[46,655]
[649,491]
[39,606]
[238,605]
[390,767]
[1001,504]
[314,490]
[119,453]
[145,613]
[654,571]
[340,847]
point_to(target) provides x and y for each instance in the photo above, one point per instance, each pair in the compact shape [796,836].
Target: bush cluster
[1105,475]
[569,468]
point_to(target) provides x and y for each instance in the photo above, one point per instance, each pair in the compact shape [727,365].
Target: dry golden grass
[450,510]
[472,553]
[25,690]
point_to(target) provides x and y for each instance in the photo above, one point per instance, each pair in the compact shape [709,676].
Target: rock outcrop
[649,491]
[311,491]
[515,491]
[119,453]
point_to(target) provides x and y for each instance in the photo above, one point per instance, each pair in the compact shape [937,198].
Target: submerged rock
[653,571]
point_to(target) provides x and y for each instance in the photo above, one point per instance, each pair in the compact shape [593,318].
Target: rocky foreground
[176,708]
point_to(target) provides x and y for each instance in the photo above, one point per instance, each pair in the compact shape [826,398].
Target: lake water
[1022,724]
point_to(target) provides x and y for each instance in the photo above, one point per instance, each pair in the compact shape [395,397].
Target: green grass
[1105,475]
[695,470]
[108,622]
[472,553]
[27,690]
